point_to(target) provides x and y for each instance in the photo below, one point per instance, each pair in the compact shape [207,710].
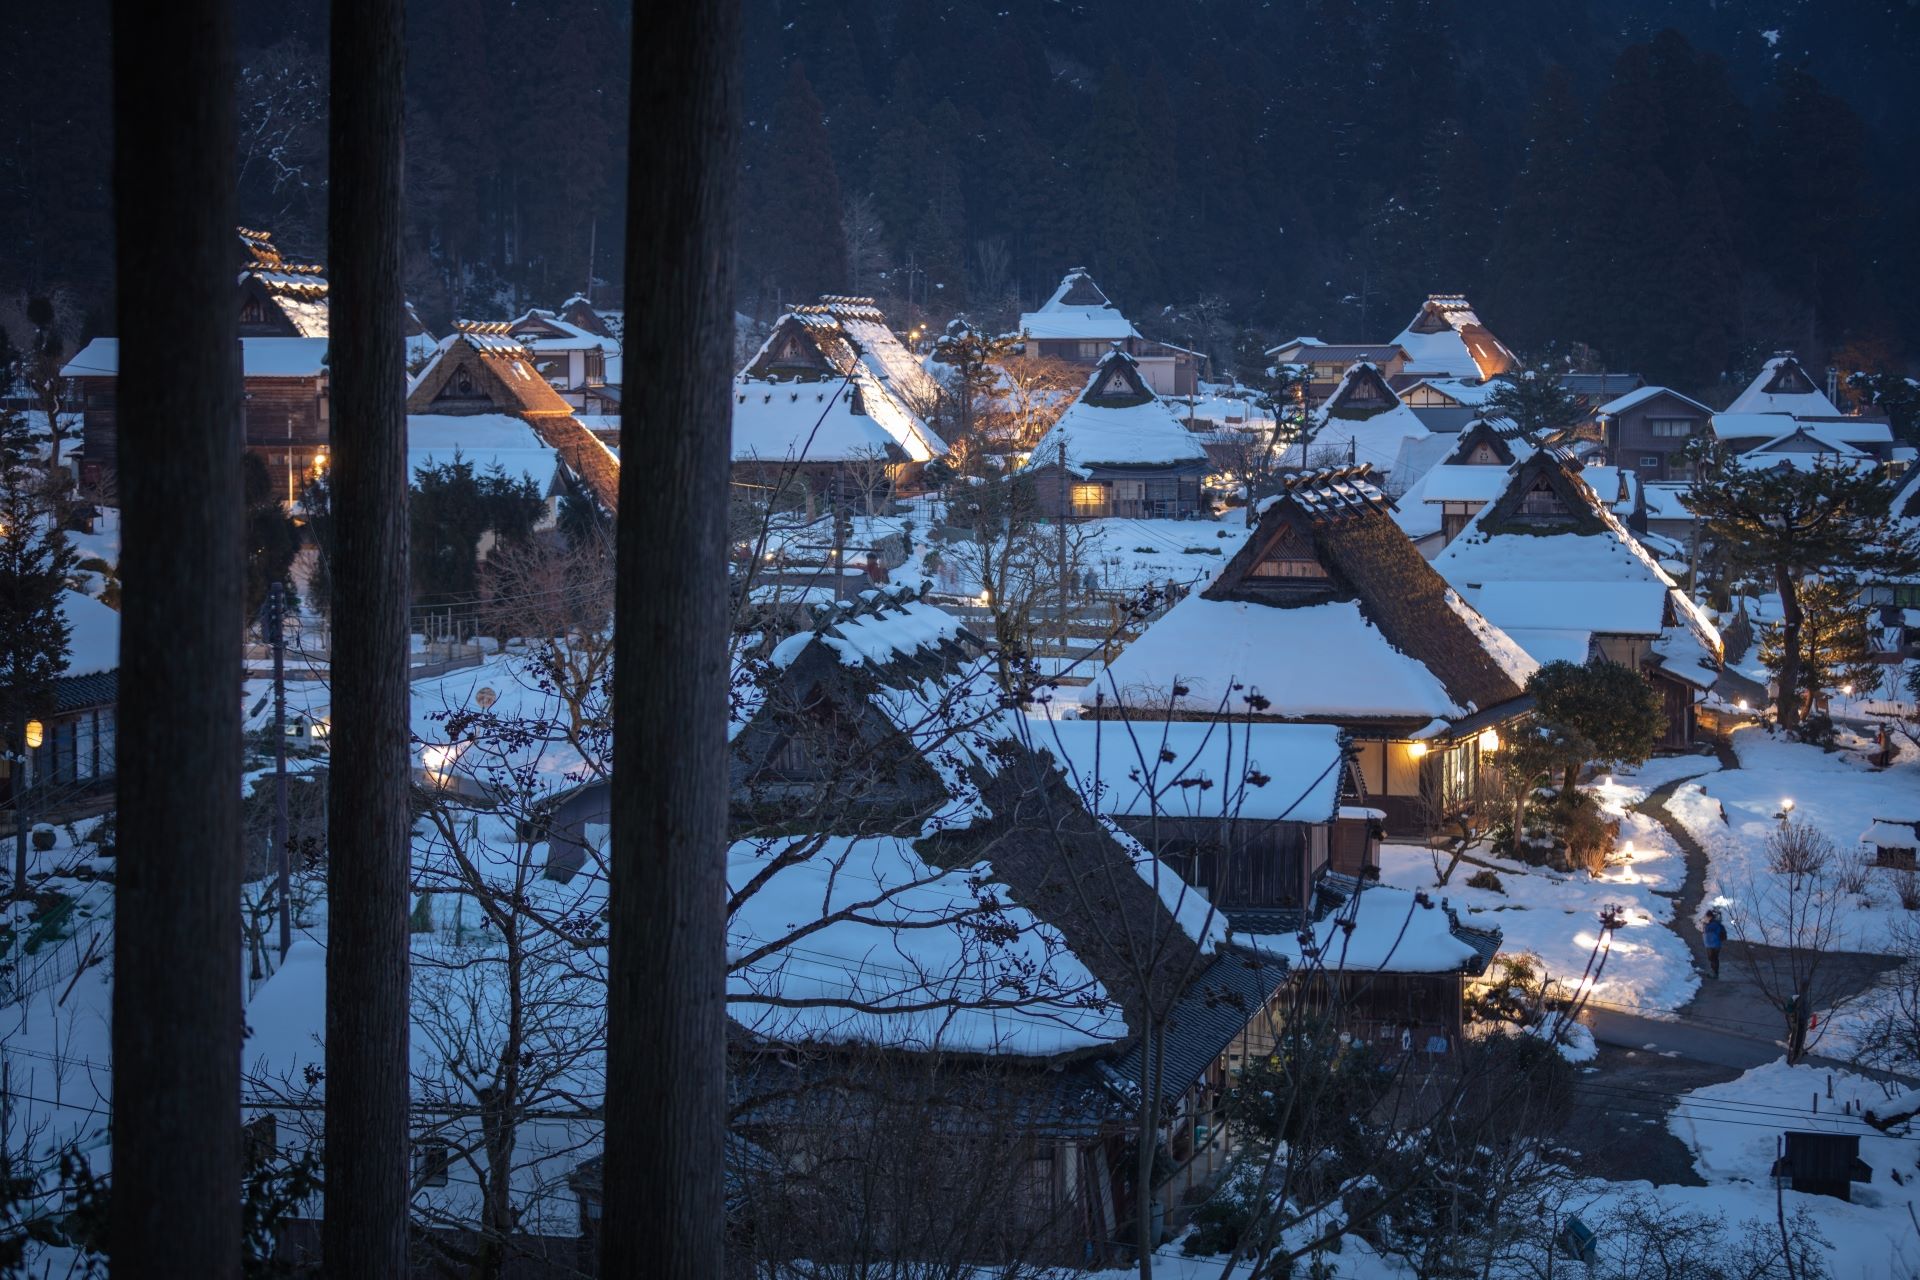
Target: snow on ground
[1733,813]
[1554,916]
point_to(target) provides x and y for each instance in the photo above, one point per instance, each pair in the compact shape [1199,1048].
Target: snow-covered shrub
[1486,878]
[44,838]
[1906,886]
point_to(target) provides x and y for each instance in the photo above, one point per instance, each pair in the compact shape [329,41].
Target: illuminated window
[1089,499]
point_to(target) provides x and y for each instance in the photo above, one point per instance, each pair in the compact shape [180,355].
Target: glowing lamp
[1416,749]
[1744,706]
[1847,689]
[36,734]
[1489,742]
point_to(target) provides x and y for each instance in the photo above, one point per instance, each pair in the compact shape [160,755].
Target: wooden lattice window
[1541,500]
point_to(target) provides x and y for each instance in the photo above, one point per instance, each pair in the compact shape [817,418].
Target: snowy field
[1732,814]
[1554,916]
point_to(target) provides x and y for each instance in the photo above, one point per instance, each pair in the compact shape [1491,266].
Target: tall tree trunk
[365,1233]
[176,991]
[1786,701]
[666,1024]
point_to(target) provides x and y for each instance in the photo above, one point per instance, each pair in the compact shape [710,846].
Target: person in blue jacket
[1714,934]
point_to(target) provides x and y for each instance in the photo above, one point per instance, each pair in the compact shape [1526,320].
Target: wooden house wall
[1391,1010]
[1128,492]
[1239,862]
[99,420]
[1631,441]
[286,426]
[284,422]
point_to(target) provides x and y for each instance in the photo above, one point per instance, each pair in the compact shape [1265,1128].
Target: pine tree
[1834,653]
[1533,400]
[794,209]
[1535,241]
[1795,526]
[35,560]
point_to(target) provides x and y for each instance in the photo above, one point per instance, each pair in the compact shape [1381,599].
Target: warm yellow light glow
[1743,705]
[1416,749]
[1489,742]
[1847,689]
[36,734]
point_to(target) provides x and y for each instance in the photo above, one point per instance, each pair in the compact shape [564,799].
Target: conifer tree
[1533,400]
[1834,654]
[34,636]
[1792,526]
[796,207]
[1535,241]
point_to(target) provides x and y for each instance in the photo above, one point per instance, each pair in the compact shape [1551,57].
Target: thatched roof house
[1329,614]
[1551,563]
[279,298]
[1125,453]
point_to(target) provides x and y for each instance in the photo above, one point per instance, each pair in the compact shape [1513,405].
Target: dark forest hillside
[1673,184]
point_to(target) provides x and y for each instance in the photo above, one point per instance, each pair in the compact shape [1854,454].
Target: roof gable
[1362,393]
[1784,386]
[1116,383]
[482,368]
[1482,445]
[1076,290]
[1348,527]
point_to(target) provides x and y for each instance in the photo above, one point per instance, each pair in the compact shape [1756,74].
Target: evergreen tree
[34,563]
[273,539]
[1533,400]
[1834,653]
[452,507]
[1535,242]
[1609,711]
[794,206]
[1793,526]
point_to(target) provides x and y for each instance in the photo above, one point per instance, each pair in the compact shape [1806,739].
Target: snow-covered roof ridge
[259,358]
[1117,420]
[1588,574]
[815,393]
[1365,417]
[1078,309]
[1643,394]
[1360,926]
[1327,612]
[1447,337]
[1784,386]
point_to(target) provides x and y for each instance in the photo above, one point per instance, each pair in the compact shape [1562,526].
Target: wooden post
[177,927]
[666,972]
[370,833]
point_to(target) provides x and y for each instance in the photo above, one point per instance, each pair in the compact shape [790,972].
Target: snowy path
[1728,1022]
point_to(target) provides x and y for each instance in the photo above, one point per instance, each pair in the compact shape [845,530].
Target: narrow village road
[1729,1022]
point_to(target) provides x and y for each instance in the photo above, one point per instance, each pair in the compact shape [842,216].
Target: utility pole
[1060,527]
[277,637]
